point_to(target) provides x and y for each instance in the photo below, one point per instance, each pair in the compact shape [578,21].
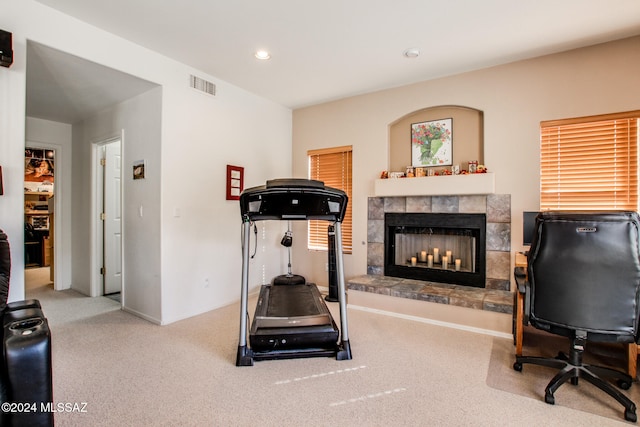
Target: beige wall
[466,134]
[514,99]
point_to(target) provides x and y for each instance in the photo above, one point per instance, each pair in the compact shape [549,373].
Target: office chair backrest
[584,273]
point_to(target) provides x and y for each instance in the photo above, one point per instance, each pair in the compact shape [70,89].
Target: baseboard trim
[432,322]
[461,318]
[142,315]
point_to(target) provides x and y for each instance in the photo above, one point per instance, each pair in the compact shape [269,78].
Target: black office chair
[584,283]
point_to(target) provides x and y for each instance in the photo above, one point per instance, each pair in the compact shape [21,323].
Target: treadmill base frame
[247,356]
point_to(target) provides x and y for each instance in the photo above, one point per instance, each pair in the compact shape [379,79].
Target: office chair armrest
[521,279]
[523,288]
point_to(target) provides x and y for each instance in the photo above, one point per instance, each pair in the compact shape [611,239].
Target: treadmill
[291,319]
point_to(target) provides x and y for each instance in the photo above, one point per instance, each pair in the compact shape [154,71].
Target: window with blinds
[590,163]
[333,167]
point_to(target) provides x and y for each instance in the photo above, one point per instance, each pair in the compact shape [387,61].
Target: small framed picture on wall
[235,182]
[138,169]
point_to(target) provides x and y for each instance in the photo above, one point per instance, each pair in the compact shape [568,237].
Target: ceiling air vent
[202,85]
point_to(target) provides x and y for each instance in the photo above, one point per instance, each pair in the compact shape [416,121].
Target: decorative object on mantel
[473,166]
[432,143]
[420,172]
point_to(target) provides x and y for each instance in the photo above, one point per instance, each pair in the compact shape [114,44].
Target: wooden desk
[632,349]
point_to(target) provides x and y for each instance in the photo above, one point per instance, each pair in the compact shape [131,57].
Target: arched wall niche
[467,135]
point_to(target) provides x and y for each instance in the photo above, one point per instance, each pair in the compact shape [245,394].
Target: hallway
[35,278]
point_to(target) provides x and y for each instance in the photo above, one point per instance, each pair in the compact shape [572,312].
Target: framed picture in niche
[432,143]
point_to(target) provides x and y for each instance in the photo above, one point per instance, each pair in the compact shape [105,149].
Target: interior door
[112,223]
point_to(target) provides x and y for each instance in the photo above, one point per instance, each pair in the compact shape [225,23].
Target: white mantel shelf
[461,185]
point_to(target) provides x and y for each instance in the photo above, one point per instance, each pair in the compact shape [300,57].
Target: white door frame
[58,193]
[96,223]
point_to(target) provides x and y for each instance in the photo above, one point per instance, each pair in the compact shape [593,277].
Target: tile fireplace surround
[495,297]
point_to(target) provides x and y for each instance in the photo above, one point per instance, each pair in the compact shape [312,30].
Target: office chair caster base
[624,385]
[548,398]
[517,366]
[630,416]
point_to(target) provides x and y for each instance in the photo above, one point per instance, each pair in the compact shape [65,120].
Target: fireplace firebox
[436,247]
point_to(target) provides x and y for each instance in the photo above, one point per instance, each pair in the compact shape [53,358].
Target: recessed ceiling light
[413,52]
[262,54]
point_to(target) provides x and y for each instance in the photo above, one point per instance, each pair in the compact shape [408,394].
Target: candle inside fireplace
[423,256]
[458,263]
[445,262]
[413,260]
[436,255]
[449,257]
[430,261]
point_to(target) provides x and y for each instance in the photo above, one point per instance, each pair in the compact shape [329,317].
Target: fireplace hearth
[436,247]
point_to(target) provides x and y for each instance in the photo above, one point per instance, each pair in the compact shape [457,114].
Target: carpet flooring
[533,379]
[130,372]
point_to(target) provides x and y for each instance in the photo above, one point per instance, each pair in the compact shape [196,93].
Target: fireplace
[436,247]
[496,208]
[494,295]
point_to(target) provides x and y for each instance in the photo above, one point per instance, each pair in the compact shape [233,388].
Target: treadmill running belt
[292,317]
[292,301]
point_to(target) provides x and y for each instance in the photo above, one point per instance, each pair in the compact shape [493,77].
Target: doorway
[108,221]
[39,207]
[67,90]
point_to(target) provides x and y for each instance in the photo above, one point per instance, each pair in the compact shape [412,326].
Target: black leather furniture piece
[583,282]
[26,386]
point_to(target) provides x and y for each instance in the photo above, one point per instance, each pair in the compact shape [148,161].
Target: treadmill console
[293,199]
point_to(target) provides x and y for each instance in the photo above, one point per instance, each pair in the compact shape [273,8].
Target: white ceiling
[332,49]
[67,89]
